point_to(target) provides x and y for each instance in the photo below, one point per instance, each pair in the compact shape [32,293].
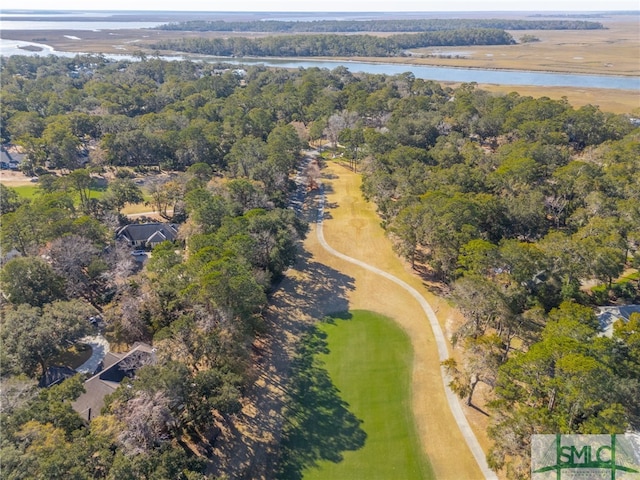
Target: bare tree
[483,306]
[313,174]
[482,357]
[148,422]
[337,123]
[15,392]
[136,360]
[160,198]
[556,205]
[125,317]
[70,257]
[121,265]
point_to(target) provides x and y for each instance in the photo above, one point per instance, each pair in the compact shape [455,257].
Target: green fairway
[26,191]
[362,403]
[30,191]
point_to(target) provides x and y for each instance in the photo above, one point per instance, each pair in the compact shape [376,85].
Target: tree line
[511,203]
[395,25]
[515,203]
[334,45]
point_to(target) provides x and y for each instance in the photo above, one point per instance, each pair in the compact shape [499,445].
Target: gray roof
[90,403]
[4,156]
[607,316]
[148,232]
[110,358]
[55,375]
[158,237]
[10,156]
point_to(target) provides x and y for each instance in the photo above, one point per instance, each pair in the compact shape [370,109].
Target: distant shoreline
[608,53]
[30,48]
[430,61]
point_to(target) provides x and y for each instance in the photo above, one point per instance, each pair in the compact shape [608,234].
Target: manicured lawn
[26,191]
[30,191]
[369,361]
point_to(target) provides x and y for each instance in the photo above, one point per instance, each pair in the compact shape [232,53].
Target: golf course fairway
[369,360]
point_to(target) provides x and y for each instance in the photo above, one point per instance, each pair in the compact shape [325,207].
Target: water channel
[449,74]
[440,74]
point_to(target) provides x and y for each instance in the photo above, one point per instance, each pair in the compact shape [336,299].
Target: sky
[327,5]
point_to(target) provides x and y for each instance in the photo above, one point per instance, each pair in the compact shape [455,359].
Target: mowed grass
[369,360]
[26,191]
[30,191]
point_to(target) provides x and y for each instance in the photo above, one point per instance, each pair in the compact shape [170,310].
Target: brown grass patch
[613,51]
[14,179]
[614,101]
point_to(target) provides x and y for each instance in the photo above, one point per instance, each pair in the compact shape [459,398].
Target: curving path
[441,343]
[99,348]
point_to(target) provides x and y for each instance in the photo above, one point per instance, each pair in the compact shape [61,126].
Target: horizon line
[71,10]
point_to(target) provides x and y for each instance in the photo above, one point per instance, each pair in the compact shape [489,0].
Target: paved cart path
[441,342]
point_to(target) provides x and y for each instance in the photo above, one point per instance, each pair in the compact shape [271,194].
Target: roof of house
[607,316]
[54,375]
[4,156]
[109,359]
[90,403]
[148,232]
[158,237]
[10,155]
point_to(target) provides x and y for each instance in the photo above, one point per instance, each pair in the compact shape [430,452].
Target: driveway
[99,348]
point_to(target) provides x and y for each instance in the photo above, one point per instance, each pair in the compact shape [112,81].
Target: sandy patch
[14,179]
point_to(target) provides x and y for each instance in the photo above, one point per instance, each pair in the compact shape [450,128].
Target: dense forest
[201,310]
[512,204]
[345,26]
[333,45]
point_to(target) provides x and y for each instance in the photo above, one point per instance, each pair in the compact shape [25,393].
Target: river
[449,74]
[440,74]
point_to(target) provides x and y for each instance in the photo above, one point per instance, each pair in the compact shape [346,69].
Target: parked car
[138,252]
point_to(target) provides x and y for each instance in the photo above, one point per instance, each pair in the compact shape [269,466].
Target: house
[607,316]
[115,369]
[10,158]
[140,235]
